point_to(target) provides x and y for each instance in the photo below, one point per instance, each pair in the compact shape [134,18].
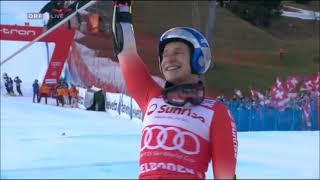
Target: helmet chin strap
[197,81]
[159,60]
[170,84]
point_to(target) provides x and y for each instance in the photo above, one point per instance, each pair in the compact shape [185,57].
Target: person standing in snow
[35,88]
[74,96]
[18,82]
[6,78]
[59,91]
[44,92]
[10,86]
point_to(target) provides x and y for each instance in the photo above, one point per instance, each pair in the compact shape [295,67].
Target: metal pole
[210,24]
[47,48]
[196,21]
[211,20]
[48,58]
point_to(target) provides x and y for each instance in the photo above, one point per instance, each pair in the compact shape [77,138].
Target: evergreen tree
[302,1]
[259,12]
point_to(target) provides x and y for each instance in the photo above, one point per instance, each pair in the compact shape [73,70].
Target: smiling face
[175,63]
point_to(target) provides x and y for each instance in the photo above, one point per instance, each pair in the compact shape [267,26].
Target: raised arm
[138,80]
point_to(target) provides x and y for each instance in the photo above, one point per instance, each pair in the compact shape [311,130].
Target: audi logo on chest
[170,138]
[20,32]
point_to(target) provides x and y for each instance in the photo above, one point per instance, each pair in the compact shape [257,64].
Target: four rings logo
[20,32]
[174,110]
[170,138]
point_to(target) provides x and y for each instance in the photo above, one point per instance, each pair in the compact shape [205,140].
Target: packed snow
[46,141]
[301,14]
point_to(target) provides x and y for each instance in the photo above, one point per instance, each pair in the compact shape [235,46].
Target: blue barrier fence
[250,117]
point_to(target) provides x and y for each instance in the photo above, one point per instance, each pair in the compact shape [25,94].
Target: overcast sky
[15,12]
[34,59]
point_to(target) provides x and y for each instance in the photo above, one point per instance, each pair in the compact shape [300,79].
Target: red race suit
[177,142]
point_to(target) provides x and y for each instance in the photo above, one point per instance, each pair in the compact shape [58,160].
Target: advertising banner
[81,96]
[135,111]
[113,103]
[125,107]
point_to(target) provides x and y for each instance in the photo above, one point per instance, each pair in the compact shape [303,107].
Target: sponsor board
[20,32]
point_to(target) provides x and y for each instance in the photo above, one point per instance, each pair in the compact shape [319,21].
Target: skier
[18,82]
[6,84]
[10,86]
[183,130]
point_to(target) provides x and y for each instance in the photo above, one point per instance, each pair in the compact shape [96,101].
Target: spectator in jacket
[74,96]
[59,90]
[18,82]
[35,87]
[65,94]
[44,92]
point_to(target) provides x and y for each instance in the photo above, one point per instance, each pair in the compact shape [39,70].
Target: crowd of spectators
[254,114]
[295,110]
[8,83]
[62,93]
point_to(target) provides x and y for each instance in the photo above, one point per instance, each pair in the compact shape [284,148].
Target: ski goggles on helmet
[180,95]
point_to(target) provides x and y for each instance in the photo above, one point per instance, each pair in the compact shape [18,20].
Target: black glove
[119,17]
[120,3]
[117,38]
[122,16]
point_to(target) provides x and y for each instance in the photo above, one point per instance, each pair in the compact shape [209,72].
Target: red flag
[260,95]
[279,96]
[278,82]
[311,83]
[253,94]
[257,95]
[316,82]
[307,84]
[291,83]
[238,92]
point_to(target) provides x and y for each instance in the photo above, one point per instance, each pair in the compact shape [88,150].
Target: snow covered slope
[45,141]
